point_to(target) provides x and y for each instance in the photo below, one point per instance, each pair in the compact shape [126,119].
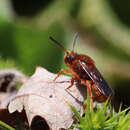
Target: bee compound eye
[69,59]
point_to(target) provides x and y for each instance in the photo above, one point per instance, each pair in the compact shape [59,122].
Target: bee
[84,71]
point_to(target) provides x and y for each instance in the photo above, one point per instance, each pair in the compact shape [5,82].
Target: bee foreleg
[67,71]
[72,83]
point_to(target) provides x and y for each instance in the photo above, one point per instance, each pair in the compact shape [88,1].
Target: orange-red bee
[85,72]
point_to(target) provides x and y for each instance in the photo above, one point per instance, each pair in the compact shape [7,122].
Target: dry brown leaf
[42,97]
[12,119]
[9,78]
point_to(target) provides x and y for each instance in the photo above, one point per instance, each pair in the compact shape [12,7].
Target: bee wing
[97,79]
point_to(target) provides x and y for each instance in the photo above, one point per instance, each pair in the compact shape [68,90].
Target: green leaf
[5,126]
[76,113]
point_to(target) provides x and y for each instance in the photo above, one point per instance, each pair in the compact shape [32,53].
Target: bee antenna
[74,40]
[62,47]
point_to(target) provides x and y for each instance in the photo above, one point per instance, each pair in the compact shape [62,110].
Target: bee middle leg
[88,85]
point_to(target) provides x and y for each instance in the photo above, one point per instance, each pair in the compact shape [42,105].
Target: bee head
[69,58]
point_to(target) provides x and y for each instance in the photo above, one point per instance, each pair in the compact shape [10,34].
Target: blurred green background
[104,35]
